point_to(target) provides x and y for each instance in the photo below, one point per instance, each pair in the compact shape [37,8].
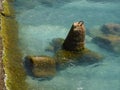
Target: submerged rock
[110,42]
[75,38]
[110,37]
[65,58]
[112,28]
[42,66]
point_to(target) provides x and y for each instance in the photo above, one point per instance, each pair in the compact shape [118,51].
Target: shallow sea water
[42,20]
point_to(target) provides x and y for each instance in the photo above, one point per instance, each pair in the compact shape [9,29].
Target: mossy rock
[109,42]
[107,37]
[41,66]
[12,57]
[45,66]
[111,28]
[65,58]
[8,9]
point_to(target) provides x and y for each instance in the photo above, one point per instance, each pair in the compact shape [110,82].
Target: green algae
[43,66]
[8,9]
[12,57]
[65,58]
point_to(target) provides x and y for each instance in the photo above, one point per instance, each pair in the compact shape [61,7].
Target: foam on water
[41,23]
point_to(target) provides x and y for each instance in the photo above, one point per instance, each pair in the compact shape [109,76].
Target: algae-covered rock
[110,37]
[111,28]
[42,66]
[75,38]
[8,9]
[1,7]
[109,42]
[55,45]
[65,58]
[12,56]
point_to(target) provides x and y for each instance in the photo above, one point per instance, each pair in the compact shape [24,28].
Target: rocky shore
[2,85]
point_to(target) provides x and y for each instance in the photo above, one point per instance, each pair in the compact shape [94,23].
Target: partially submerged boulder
[75,38]
[42,66]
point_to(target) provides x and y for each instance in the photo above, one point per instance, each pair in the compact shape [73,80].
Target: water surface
[42,20]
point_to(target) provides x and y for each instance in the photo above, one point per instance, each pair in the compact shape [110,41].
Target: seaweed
[65,58]
[12,57]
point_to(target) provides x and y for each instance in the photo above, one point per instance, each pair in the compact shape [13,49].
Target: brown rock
[66,59]
[75,38]
[42,66]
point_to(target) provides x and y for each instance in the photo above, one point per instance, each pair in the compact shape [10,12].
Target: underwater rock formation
[110,37]
[111,42]
[42,66]
[66,59]
[76,37]
[112,28]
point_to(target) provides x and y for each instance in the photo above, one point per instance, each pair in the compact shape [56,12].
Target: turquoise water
[42,20]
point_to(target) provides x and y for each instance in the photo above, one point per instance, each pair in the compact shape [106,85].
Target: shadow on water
[28,64]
